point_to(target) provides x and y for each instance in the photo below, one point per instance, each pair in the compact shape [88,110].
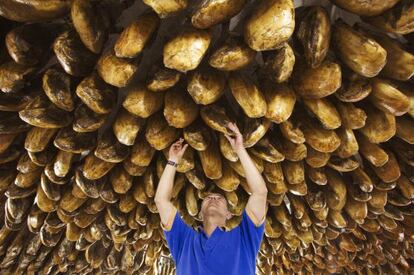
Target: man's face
[214,204]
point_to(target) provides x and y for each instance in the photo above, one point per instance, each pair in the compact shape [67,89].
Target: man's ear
[229,215]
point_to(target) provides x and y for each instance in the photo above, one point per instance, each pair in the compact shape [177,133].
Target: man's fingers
[233,127]
[236,129]
[178,143]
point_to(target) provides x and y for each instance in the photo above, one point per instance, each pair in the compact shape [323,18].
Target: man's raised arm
[165,186]
[256,204]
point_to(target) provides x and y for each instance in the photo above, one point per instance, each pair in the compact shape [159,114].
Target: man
[213,251]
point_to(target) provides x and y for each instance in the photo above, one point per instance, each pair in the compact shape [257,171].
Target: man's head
[215,205]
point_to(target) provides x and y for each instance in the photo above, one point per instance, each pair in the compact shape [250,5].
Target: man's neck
[210,224]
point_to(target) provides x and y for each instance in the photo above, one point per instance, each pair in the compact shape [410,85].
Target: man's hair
[214,193]
[213,188]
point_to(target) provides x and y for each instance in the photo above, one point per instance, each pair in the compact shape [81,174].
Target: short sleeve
[176,235]
[252,235]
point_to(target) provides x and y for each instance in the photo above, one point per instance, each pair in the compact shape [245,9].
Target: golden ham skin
[93,93]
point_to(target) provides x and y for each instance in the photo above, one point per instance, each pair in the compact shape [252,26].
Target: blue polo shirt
[231,252]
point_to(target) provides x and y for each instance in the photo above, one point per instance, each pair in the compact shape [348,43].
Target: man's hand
[236,140]
[177,150]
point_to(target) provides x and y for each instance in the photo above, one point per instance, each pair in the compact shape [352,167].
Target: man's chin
[212,207]
[213,211]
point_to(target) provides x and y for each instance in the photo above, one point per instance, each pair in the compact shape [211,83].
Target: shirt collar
[201,229]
